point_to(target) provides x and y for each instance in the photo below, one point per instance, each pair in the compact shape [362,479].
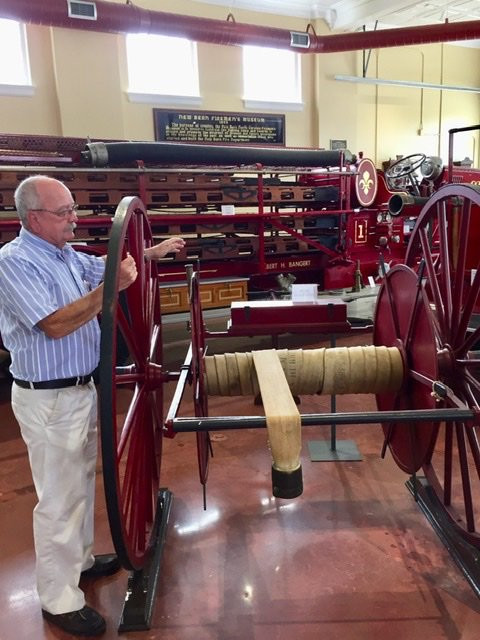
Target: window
[271,76]
[15,76]
[162,66]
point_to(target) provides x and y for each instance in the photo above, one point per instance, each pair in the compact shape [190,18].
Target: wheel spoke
[132,438]
[137,500]
[415,307]
[136,307]
[155,342]
[469,363]
[474,447]
[445,272]
[460,248]
[129,489]
[433,442]
[136,292]
[392,307]
[130,336]
[421,378]
[142,465]
[473,337]
[474,382]
[130,426]
[467,312]
[433,281]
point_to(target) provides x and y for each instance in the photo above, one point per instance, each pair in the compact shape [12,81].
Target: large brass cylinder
[399,201]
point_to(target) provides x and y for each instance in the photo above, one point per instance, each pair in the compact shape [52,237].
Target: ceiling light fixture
[406,83]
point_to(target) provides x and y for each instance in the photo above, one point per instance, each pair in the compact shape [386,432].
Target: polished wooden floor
[353,558]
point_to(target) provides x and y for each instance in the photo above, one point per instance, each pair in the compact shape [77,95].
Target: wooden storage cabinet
[214,293]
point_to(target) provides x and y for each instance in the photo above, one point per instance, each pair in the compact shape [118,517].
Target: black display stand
[142,585]
[466,556]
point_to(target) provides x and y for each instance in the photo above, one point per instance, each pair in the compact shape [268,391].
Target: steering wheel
[403,167]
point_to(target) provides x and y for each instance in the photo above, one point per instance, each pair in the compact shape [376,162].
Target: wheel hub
[447,364]
[154,376]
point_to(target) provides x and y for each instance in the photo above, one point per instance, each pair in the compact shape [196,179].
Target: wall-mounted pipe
[128,18]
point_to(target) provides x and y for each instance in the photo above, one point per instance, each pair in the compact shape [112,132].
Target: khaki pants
[59,427]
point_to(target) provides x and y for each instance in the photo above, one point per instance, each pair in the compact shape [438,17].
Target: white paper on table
[304,292]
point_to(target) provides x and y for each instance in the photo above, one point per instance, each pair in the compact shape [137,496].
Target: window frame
[24,86]
[282,103]
[145,94]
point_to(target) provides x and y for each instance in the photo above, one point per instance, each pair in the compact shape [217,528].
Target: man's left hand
[172,245]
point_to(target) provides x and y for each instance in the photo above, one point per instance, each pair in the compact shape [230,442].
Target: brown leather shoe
[104,565]
[85,622]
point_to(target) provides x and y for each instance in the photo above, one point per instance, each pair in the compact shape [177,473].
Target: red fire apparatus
[254,213]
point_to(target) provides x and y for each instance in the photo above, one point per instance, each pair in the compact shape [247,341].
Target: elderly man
[51,296]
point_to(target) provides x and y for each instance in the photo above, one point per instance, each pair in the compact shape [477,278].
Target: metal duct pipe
[127,18]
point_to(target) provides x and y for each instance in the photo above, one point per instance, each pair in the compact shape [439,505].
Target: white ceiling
[349,15]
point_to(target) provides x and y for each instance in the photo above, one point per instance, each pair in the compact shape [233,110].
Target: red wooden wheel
[200,398]
[402,320]
[131,440]
[444,250]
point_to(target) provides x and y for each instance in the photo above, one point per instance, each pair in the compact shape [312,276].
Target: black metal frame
[465,555]
[142,585]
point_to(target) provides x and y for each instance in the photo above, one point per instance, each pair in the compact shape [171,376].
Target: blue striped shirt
[36,279]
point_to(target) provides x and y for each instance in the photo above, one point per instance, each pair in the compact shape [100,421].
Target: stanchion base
[465,555]
[142,585]
[321,451]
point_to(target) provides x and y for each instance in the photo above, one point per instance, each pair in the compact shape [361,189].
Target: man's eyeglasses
[63,212]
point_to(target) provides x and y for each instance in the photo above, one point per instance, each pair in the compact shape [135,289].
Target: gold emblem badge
[366,182]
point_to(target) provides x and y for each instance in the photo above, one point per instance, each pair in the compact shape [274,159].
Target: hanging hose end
[287,484]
